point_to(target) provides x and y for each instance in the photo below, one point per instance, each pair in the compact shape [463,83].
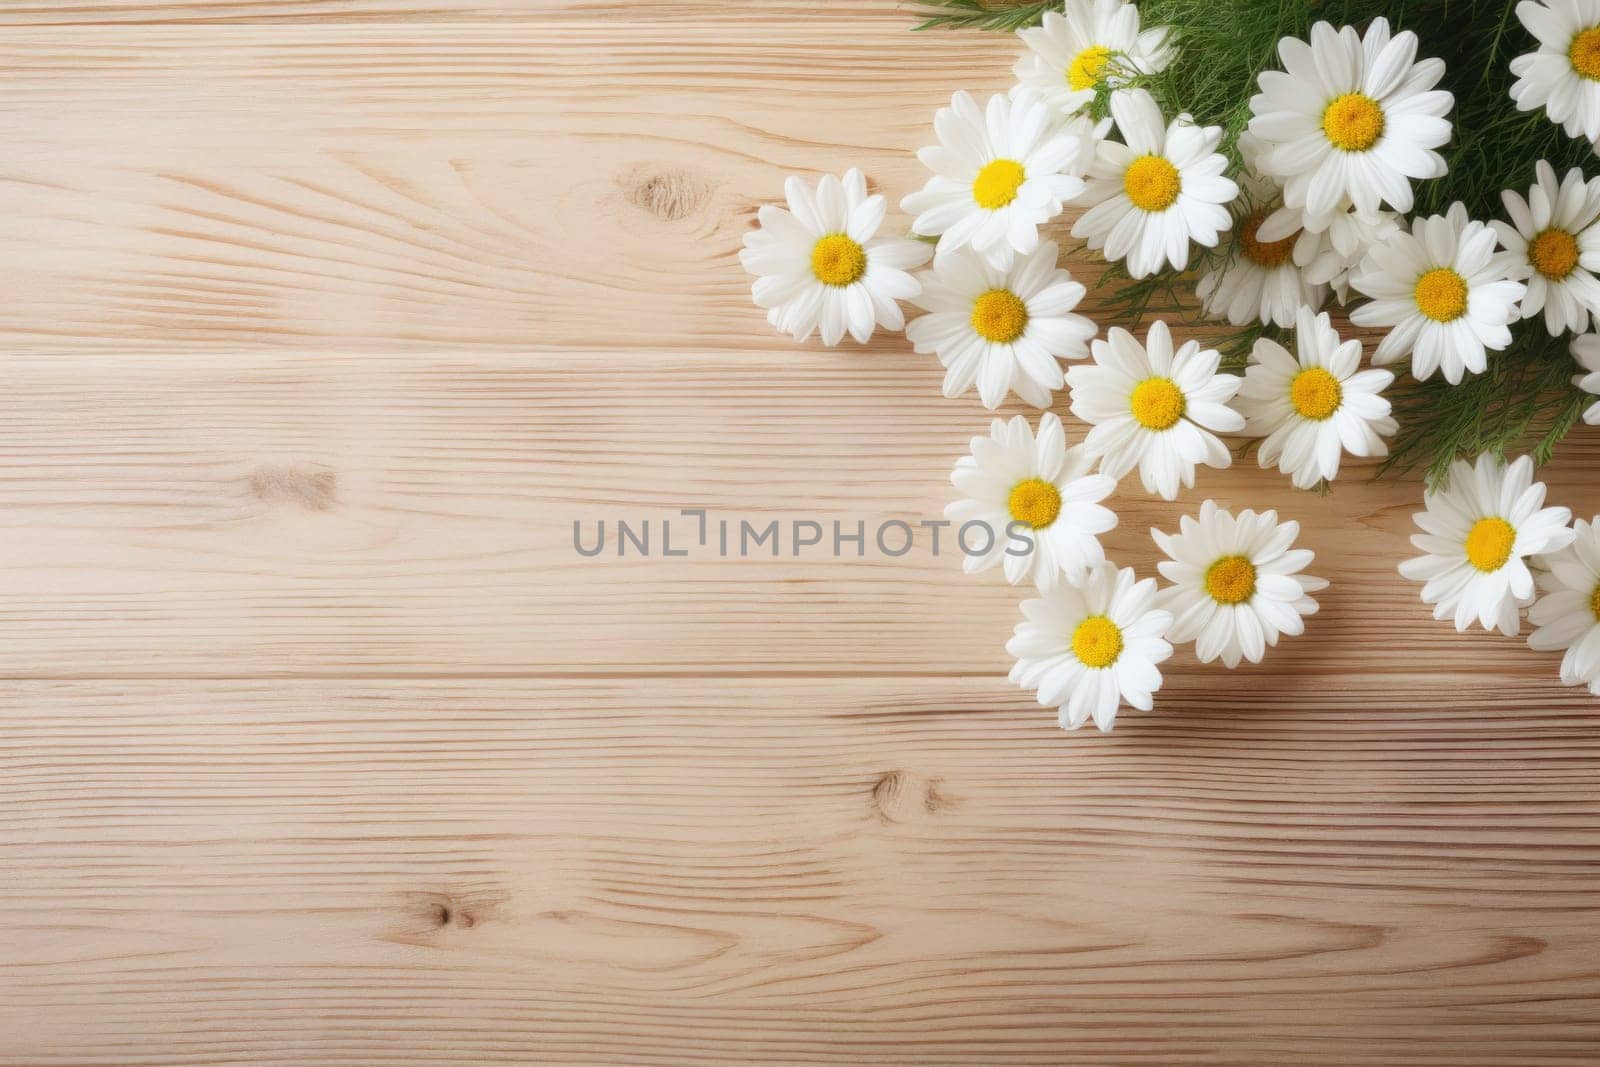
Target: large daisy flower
[1157,192]
[1236,583]
[1567,617]
[1563,76]
[1314,406]
[1006,330]
[1089,649]
[1476,534]
[820,264]
[998,174]
[1038,499]
[1443,292]
[1092,43]
[1351,119]
[1586,350]
[1154,408]
[1553,244]
[1262,280]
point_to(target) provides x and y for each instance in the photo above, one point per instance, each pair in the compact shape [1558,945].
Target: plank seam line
[14,21]
[588,675]
[687,674]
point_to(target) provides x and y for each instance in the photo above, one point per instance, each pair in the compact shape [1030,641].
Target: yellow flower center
[1489,543]
[1315,393]
[1097,642]
[1231,580]
[1353,122]
[1086,68]
[1554,253]
[1265,253]
[1441,294]
[1157,403]
[1585,53]
[999,315]
[837,260]
[1594,603]
[1152,183]
[1035,502]
[997,183]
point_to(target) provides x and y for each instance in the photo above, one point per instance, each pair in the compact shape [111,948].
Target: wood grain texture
[462,186]
[324,321]
[247,515]
[825,870]
[414,12]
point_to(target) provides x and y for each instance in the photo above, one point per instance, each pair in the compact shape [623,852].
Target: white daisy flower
[1443,292]
[1351,119]
[1476,534]
[1092,42]
[1157,192]
[1038,499]
[1553,244]
[1006,330]
[1563,76]
[1237,584]
[998,174]
[1089,649]
[1346,237]
[1261,280]
[1154,409]
[1313,407]
[819,263]
[1586,350]
[1326,247]
[1567,617]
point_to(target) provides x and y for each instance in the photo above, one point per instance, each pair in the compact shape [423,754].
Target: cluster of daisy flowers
[1334,143]
[1335,140]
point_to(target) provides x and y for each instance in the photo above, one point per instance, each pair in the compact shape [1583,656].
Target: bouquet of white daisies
[1248,165]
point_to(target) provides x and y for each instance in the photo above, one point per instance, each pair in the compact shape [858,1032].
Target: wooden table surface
[322,321]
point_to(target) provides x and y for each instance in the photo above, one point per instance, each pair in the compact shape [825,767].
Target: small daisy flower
[1087,650]
[1314,406]
[1553,244]
[1157,192]
[1326,247]
[998,174]
[1586,350]
[1346,237]
[1261,280]
[1155,409]
[1092,43]
[1563,75]
[1006,330]
[819,264]
[1567,617]
[1477,533]
[1033,491]
[1443,292]
[1237,584]
[1351,119]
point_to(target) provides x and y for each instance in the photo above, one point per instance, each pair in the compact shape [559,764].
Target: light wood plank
[415,12]
[492,186]
[884,870]
[253,514]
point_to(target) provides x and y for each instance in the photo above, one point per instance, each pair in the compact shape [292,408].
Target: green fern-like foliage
[1525,402]
[980,15]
